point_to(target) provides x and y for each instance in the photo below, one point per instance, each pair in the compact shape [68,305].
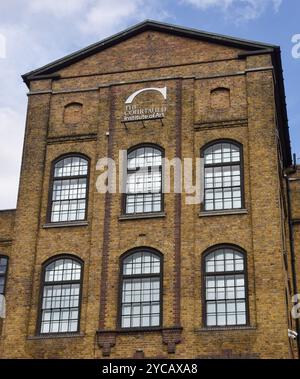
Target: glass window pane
[60,305]
[240,280]
[241,319]
[225,294]
[145,320]
[155,320]
[62,270]
[222,183]
[54,327]
[3,273]
[231,319]
[69,193]
[220,266]
[210,294]
[221,319]
[231,306]
[221,307]
[211,308]
[144,180]
[211,320]
[241,306]
[73,326]
[3,264]
[45,328]
[136,321]
[125,322]
[141,295]
[211,282]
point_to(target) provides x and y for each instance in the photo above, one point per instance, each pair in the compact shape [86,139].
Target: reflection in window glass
[61,296]
[222,177]
[144,181]
[141,290]
[225,288]
[69,192]
[3,273]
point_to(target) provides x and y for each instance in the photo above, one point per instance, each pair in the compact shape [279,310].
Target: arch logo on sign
[134,112]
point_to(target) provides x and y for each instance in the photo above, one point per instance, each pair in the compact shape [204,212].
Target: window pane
[71,166]
[141,295]
[69,193]
[155,320]
[1,285]
[144,181]
[241,319]
[221,319]
[225,293]
[3,265]
[3,273]
[145,320]
[222,183]
[125,322]
[45,328]
[211,320]
[62,270]
[60,305]
[143,262]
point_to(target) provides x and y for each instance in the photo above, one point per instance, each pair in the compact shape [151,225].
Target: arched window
[144,180]
[3,273]
[141,289]
[61,295]
[225,287]
[222,176]
[68,201]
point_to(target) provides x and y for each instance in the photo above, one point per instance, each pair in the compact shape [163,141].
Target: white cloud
[107,17]
[11,131]
[57,8]
[24,51]
[238,9]
[100,17]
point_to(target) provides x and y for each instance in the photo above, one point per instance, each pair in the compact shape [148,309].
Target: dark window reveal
[69,189]
[61,295]
[222,176]
[3,273]
[141,294]
[225,287]
[144,180]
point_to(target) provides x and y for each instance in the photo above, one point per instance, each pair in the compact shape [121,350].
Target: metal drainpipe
[292,248]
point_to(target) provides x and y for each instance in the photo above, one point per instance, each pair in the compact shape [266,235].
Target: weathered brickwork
[295,200]
[192,70]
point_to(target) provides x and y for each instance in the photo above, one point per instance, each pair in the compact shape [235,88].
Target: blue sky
[35,32]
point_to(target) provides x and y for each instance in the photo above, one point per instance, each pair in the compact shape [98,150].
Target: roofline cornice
[136,29]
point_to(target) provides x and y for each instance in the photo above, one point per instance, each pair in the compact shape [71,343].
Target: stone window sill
[230,212]
[51,225]
[54,336]
[225,329]
[142,216]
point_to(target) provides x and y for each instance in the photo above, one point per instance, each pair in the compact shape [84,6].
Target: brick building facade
[145,274]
